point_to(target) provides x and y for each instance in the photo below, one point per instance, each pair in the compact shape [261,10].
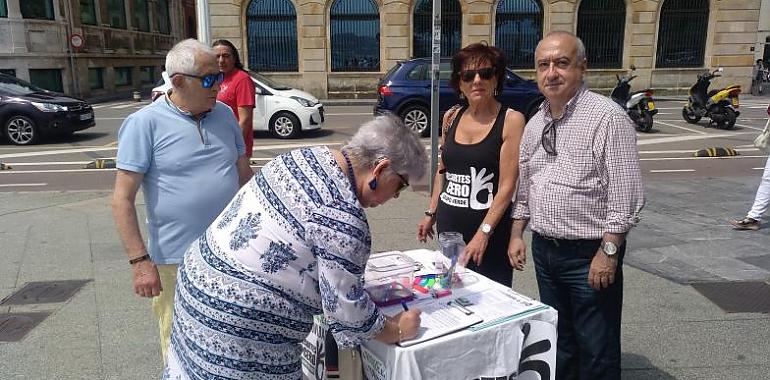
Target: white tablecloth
[491,353]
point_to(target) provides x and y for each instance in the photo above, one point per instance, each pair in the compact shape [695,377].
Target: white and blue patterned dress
[293,243]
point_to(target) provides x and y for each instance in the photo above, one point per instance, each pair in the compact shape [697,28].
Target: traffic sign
[76,40]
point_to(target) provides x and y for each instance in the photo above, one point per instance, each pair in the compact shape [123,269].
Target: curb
[348,102]
[716,152]
[100,164]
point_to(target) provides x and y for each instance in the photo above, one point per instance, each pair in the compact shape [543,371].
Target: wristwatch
[485,228]
[609,248]
[430,213]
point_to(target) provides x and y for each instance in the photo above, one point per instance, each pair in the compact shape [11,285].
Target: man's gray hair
[387,136]
[182,57]
[581,48]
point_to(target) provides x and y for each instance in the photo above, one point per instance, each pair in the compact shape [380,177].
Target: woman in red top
[237,90]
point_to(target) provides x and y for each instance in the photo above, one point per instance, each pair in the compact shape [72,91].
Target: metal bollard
[137,96]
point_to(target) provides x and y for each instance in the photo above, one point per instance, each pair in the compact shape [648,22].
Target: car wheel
[417,118]
[21,130]
[285,125]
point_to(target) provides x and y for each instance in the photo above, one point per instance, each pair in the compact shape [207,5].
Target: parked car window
[269,82]
[16,87]
[417,73]
[444,71]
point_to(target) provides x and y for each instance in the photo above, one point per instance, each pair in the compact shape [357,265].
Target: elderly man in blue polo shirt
[186,152]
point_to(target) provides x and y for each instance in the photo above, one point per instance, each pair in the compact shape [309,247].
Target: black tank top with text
[471,176]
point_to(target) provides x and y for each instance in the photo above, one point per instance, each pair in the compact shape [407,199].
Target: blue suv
[405,91]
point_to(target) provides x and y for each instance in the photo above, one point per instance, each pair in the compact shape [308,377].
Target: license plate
[651,105]
[86,116]
[735,101]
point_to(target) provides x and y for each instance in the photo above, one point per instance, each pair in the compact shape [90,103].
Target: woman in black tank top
[478,169]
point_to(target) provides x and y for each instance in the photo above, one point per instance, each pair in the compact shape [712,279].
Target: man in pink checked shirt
[580,192]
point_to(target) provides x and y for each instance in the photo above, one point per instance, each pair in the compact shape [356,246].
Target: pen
[403,304]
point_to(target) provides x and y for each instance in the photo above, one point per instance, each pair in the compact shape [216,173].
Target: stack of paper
[496,306]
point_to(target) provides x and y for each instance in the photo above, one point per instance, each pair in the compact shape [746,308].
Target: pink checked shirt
[593,185]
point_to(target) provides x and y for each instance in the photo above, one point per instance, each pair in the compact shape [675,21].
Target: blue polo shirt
[189,171]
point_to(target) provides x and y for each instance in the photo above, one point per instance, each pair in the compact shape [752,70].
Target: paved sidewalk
[670,331]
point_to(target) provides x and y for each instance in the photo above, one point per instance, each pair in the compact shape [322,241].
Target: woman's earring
[462,96]
[373,183]
[496,92]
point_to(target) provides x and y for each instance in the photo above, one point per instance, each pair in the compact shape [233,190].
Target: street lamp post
[204,23]
[435,117]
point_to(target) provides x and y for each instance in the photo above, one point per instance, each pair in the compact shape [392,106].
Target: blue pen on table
[403,304]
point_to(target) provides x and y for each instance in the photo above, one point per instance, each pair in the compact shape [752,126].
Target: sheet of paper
[437,319]
[499,305]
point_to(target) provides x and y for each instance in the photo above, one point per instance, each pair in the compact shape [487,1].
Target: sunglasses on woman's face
[207,81]
[469,75]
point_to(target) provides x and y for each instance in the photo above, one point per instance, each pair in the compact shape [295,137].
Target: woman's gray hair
[387,136]
[182,57]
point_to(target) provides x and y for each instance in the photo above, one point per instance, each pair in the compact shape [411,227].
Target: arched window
[451,28]
[601,25]
[355,35]
[518,28]
[271,28]
[682,33]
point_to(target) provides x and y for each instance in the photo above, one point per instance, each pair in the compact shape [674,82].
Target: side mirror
[257,90]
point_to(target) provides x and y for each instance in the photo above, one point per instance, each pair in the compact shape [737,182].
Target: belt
[568,242]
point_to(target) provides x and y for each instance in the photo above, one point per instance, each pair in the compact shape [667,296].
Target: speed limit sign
[76,40]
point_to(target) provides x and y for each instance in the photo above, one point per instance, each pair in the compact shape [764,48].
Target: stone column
[396,37]
[18,31]
[477,21]
[562,16]
[312,37]
[734,36]
[642,32]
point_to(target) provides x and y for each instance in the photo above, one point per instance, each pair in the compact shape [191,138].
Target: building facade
[340,48]
[763,35]
[122,42]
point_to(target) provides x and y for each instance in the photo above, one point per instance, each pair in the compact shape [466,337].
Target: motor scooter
[639,104]
[719,105]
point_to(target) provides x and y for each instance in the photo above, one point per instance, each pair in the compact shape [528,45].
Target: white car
[282,110]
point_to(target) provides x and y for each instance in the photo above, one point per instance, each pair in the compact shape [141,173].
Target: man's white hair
[182,57]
